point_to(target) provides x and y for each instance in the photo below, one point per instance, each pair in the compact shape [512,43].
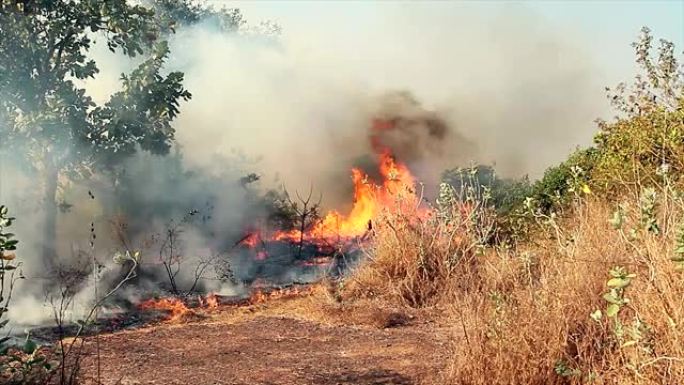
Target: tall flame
[370,199]
[395,191]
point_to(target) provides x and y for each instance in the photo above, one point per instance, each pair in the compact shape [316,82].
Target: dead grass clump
[602,304]
[325,305]
[419,257]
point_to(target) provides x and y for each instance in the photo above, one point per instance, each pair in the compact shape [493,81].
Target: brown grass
[418,259]
[523,314]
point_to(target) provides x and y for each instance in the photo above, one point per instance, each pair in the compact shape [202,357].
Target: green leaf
[612,310]
[597,315]
[611,298]
[618,283]
[29,346]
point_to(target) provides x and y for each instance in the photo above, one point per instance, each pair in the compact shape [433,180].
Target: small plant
[23,364]
[563,369]
[678,257]
[8,268]
[618,218]
[616,295]
[648,207]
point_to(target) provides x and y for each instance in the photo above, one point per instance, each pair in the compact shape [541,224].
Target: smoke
[502,88]
[457,83]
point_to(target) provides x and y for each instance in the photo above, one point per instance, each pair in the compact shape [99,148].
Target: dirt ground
[254,346]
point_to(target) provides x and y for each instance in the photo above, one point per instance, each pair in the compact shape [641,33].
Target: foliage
[646,138]
[505,194]
[8,266]
[555,189]
[44,59]
[172,14]
[45,46]
[649,130]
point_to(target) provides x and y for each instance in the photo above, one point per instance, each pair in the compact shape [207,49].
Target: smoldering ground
[461,84]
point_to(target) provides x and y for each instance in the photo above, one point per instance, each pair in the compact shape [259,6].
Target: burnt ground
[259,346]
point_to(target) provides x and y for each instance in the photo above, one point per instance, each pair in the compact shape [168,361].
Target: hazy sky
[604,27]
[506,71]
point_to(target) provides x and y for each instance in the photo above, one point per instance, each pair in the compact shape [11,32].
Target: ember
[261,296]
[317,261]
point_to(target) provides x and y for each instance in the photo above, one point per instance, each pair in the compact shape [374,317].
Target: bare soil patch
[260,347]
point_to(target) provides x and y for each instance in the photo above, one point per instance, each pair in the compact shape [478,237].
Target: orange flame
[212,301]
[261,296]
[396,190]
[250,240]
[174,306]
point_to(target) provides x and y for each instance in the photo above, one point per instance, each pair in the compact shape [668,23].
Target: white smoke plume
[466,83]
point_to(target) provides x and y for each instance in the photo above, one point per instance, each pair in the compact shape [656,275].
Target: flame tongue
[174,306]
[370,200]
[393,193]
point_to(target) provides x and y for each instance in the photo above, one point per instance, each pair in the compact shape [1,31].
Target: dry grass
[523,314]
[417,258]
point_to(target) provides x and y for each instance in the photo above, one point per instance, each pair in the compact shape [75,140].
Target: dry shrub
[419,256]
[535,320]
[537,313]
[322,304]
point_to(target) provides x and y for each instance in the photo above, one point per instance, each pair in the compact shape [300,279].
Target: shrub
[603,309]
[418,258]
[648,133]
[555,189]
[27,363]
[504,194]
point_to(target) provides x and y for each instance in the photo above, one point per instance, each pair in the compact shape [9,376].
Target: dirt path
[268,349]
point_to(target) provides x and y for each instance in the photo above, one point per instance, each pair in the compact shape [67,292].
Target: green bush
[646,140]
[555,188]
[505,194]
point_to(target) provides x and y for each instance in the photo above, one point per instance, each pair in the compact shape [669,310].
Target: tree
[172,14]
[46,113]
[646,139]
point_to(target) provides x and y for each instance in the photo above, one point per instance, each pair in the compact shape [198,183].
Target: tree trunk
[50,229]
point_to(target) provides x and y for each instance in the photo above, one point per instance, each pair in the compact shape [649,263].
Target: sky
[606,28]
[524,81]
[505,71]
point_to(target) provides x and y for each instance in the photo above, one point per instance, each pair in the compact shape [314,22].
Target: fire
[396,190]
[174,306]
[250,240]
[211,301]
[177,309]
[261,296]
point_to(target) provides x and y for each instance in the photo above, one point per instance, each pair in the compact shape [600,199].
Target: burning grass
[179,310]
[419,256]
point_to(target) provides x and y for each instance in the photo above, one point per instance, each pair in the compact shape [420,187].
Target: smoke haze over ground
[466,83]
